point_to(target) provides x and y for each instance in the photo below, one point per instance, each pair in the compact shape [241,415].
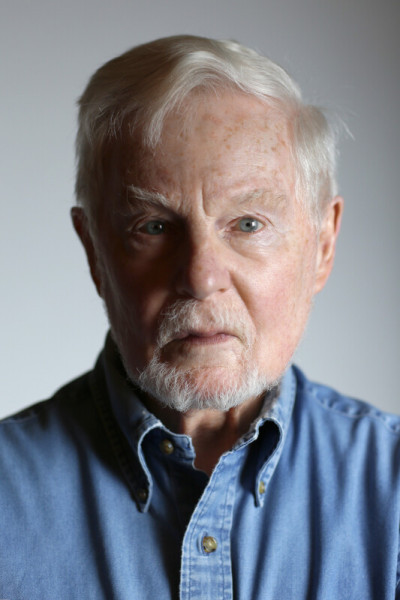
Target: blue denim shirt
[98,500]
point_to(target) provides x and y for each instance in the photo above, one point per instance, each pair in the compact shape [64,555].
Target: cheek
[272,304]
[279,311]
[133,301]
[281,300]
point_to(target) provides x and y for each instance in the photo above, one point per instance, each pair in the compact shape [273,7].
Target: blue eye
[154,227]
[249,225]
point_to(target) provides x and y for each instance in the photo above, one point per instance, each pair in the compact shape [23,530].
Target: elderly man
[194,461]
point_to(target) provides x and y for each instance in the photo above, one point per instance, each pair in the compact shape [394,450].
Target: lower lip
[205,340]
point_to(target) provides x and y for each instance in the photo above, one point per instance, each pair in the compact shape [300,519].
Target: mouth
[204,338]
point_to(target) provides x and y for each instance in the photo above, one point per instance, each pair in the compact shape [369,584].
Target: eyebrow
[137,196]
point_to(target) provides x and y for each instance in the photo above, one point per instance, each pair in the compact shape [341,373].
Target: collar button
[167,447]
[143,494]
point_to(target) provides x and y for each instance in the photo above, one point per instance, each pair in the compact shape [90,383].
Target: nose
[203,268]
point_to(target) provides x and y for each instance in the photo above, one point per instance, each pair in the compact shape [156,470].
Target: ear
[81,226]
[328,235]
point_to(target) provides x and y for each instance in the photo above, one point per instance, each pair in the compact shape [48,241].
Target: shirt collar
[136,421]
[278,416]
[130,412]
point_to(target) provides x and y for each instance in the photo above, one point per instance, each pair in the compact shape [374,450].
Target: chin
[203,388]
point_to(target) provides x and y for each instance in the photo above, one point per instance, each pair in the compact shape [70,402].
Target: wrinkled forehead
[210,137]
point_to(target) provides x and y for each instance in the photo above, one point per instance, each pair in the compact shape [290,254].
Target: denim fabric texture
[98,500]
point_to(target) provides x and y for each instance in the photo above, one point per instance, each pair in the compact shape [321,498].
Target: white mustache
[189,316]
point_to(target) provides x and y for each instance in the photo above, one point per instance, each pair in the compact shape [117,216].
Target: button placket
[206,568]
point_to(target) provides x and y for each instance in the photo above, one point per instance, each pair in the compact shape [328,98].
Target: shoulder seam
[61,395]
[350,408]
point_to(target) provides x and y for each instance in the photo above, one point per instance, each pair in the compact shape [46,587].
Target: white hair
[137,90]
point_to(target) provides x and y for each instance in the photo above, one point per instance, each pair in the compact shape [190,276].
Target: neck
[213,432]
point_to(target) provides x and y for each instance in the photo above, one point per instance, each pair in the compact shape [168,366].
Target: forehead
[217,142]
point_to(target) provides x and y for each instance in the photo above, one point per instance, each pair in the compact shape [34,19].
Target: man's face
[209,223]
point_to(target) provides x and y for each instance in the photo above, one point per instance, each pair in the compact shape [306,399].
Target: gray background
[344,54]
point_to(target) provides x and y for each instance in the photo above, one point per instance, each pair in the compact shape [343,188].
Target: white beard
[219,388]
[180,390]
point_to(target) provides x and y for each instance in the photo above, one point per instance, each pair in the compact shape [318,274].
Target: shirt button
[142,494]
[209,544]
[261,487]
[167,447]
